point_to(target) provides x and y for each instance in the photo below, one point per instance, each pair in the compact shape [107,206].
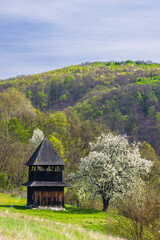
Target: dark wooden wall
[45,176]
[45,196]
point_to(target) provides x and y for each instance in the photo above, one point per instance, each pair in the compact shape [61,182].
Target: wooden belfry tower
[45,187]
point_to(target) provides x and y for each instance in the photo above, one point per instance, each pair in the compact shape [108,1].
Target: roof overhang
[45,184]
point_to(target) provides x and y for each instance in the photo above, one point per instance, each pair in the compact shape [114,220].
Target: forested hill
[123,95]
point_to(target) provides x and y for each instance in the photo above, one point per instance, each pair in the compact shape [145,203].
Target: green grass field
[18,222]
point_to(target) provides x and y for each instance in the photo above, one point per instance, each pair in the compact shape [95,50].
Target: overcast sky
[42,35]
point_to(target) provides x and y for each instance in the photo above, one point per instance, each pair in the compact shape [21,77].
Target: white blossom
[112,166]
[37,137]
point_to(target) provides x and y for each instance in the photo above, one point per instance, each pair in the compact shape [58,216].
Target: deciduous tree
[111,167]
[141,207]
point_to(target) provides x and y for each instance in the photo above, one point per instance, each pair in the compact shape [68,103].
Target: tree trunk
[105,204]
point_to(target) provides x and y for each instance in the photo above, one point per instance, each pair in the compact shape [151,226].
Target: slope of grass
[19,222]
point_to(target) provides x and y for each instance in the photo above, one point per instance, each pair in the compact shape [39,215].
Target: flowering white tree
[112,167]
[37,136]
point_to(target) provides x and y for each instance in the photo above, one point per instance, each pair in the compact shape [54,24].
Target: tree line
[18,119]
[124,95]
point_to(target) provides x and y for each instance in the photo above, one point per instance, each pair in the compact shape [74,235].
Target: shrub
[141,208]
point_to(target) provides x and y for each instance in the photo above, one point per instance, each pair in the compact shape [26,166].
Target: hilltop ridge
[124,95]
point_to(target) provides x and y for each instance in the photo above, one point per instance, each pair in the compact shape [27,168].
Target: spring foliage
[125,95]
[112,166]
[37,136]
[141,212]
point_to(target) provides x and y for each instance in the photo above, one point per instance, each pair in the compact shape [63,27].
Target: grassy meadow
[18,222]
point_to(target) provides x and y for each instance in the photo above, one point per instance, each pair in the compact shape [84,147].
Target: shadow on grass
[68,209]
[14,206]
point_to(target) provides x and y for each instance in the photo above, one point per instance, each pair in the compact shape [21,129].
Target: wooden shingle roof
[45,155]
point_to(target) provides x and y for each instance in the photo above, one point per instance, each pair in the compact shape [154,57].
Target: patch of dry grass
[20,223]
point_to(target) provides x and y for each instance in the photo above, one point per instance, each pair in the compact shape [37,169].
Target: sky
[41,35]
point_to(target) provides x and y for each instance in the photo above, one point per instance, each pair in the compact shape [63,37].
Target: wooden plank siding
[46,197]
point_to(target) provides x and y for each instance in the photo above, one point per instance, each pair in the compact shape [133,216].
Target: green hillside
[64,87]
[125,96]
[71,107]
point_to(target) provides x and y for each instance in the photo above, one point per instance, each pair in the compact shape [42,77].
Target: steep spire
[45,155]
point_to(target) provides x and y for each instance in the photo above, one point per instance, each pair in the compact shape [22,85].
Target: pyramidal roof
[45,155]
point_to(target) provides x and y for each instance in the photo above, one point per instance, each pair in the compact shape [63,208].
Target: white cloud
[59,32]
[55,11]
[41,11]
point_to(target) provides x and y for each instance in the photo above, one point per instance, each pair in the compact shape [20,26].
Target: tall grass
[18,222]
